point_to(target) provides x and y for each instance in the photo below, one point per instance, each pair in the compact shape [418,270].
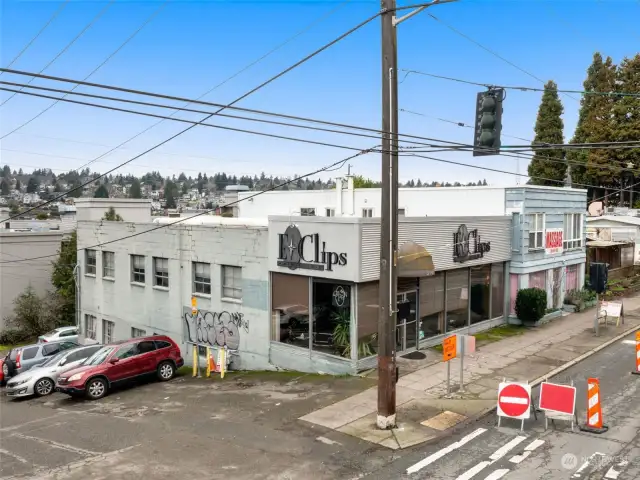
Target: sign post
[558,402]
[466,344]
[449,351]
[514,401]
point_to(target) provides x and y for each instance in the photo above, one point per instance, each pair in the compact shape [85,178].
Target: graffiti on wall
[216,329]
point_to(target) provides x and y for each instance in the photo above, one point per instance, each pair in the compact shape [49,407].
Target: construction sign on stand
[449,348]
[514,400]
[637,370]
[558,402]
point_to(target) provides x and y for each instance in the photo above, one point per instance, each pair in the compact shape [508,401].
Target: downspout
[338,212]
[76,280]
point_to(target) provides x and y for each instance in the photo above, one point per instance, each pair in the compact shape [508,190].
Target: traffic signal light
[488,122]
[598,277]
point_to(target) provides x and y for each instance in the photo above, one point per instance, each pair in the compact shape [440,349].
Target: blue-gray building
[548,240]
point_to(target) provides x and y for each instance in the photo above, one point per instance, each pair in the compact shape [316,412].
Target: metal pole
[462,339]
[449,377]
[388,223]
[597,324]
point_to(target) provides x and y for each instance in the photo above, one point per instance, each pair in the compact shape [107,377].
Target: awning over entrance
[414,261]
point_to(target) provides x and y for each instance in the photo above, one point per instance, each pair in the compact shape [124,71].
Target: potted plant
[342,336]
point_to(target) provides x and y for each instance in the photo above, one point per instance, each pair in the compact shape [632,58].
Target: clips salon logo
[467,245]
[307,252]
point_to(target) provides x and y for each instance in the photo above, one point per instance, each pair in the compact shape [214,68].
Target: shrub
[531,304]
[12,336]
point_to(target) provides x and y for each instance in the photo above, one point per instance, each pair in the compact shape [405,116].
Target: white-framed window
[161,272]
[308,212]
[330,212]
[202,278]
[137,269]
[107,331]
[536,231]
[401,212]
[108,265]
[367,212]
[232,282]
[90,262]
[90,326]
[137,332]
[572,234]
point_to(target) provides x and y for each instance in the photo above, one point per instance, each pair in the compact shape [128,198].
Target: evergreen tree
[101,192]
[32,185]
[594,125]
[111,215]
[135,191]
[549,129]
[62,278]
[4,187]
[626,116]
[6,171]
[18,186]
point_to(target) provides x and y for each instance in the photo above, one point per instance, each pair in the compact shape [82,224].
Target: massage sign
[306,252]
[467,245]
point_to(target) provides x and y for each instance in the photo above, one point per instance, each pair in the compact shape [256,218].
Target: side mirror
[114,360]
[62,362]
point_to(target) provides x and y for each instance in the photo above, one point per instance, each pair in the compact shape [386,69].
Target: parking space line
[17,427]
[51,443]
[13,455]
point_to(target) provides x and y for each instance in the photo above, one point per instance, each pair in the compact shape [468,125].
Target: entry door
[407,323]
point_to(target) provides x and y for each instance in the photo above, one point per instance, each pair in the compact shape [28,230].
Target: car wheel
[96,388]
[166,370]
[43,387]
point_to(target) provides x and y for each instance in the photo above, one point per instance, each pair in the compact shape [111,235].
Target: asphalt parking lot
[243,427]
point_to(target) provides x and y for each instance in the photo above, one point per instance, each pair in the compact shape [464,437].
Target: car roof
[140,339]
[52,342]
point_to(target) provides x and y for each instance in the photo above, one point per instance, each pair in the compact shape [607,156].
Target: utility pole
[387,295]
[388,223]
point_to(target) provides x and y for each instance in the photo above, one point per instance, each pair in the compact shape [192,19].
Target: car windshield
[53,360]
[99,357]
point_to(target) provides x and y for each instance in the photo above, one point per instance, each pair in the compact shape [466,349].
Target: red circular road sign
[514,400]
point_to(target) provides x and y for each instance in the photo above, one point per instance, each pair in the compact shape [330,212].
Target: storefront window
[367,319]
[497,290]
[290,303]
[431,306]
[457,299]
[332,318]
[538,280]
[480,293]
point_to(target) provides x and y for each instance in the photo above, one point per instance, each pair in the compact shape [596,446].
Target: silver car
[41,379]
[62,333]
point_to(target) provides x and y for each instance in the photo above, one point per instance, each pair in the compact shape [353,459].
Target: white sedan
[62,333]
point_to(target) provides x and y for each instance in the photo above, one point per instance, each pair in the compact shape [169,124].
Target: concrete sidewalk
[425,411]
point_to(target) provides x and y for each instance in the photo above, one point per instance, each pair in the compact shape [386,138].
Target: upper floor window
[536,231]
[108,265]
[572,235]
[308,212]
[232,282]
[202,278]
[137,269]
[401,212]
[90,262]
[161,272]
[367,212]
[331,212]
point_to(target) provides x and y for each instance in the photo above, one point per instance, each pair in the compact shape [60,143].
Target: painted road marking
[629,342]
[61,446]
[441,453]
[612,473]
[497,455]
[528,450]
[13,455]
[498,474]
[585,465]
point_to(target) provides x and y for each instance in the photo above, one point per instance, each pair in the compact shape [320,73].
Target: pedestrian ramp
[494,454]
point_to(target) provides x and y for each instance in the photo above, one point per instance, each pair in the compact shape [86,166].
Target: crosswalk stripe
[612,473]
[585,465]
[497,455]
[498,474]
[528,450]
[441,453]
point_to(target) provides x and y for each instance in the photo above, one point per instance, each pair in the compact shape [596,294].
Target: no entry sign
[557,398]
[514,400]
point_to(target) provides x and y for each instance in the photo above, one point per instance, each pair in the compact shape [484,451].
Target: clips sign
[308,252]
[467,245]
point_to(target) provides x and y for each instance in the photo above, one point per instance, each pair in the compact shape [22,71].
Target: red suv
[122,361]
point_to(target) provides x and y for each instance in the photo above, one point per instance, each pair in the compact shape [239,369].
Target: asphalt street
[484,451]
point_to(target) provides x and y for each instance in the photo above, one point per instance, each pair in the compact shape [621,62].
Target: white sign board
[553,238]
[469,342]
[613,309]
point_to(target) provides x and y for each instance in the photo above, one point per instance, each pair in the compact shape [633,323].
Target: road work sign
[514,400]
[449,348]
[557,398]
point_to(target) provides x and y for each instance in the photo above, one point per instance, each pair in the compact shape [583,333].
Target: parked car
[21,359]
[2,370]
[120,362]
[62,333]
[41,379]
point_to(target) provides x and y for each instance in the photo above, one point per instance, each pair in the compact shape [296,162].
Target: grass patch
[260,375]
[6,348]
[493,335]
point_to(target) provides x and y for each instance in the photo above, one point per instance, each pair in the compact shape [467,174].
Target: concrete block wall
[239,324]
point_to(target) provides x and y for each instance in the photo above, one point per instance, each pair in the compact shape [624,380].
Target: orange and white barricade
[637,370]
[594,408]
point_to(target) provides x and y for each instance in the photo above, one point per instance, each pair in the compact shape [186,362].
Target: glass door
[407,322]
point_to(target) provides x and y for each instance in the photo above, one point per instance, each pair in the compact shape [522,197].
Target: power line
[250,92]
[165,225]
[226,80]
[515,87]
[109,57]
[69,44]
[37,35]
[495,54]
[230,106]
[183,109]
